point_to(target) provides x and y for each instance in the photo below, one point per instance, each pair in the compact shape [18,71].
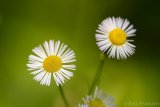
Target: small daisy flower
[112,37]
[53,58]
[98,99]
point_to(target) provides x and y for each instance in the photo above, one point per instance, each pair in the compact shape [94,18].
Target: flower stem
[63,96]
[97,77]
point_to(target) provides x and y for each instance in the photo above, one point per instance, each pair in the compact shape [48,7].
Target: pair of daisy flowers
[56,59]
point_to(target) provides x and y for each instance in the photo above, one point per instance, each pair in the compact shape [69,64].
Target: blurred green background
[25,24]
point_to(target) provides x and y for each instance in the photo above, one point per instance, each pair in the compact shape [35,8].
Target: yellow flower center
[96,103]
[52,63]
[117,36]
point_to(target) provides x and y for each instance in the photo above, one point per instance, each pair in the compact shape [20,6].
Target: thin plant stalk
[63,96]
[97,77]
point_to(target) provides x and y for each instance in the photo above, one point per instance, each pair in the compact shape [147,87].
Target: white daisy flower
[98,99]
[112,37]
[53,58]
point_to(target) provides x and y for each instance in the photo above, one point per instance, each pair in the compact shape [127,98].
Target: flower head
[98,99]
[112,37]
[53,58]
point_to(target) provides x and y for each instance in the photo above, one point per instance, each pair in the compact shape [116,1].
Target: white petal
[101,43]
[114,22]
[68,61]
[131,31]
[71,67]
[122,53]
[39,76]
[37,71]
[130,35]
[56,80]
[35,66]
[113,52]
[35,58]
[47,49]
[69,57]
[119,22]
[105,47]
[40,52]
[70,52]
[45,79]
[57,44]
[62,79]
[68,73]
[66,76]
[100,37]
[61,50]
[125,24]
[129,28]
[51,47]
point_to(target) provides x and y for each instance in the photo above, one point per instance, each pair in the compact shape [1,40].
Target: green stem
[63,96]
[97,77]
